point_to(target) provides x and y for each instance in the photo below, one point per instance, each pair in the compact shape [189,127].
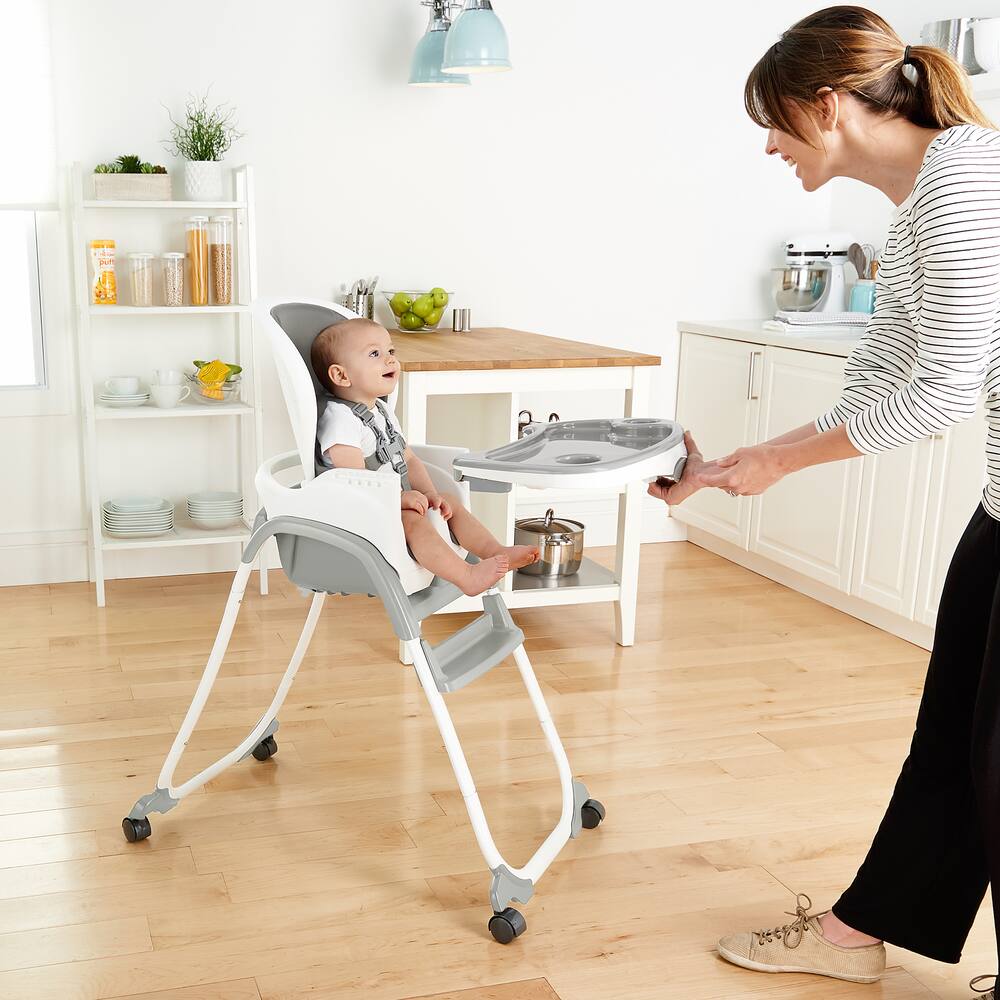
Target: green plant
[205,133]
[129,163]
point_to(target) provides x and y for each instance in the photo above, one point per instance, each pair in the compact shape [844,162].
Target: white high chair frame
[341,532]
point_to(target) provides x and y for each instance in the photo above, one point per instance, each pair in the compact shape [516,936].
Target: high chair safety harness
[339,531]
[389,443]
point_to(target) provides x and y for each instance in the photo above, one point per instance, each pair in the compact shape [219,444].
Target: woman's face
[812,165]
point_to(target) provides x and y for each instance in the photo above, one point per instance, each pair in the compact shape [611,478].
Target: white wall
[609,186]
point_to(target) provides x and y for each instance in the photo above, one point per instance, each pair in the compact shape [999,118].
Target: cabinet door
[717,403]
[891,526]
[958,474]
[808,520]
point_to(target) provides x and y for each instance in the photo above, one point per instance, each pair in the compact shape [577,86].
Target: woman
[837,102]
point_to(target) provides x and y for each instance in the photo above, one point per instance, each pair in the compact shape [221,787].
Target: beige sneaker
[985,993]
[801,947]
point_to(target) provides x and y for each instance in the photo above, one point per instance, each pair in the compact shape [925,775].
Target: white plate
[216,497]
[119,405]
[123,399]
[135,534]
[122,395]
[137,522]
[137,505]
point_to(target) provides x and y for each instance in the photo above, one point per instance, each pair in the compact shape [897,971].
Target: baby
[356,363]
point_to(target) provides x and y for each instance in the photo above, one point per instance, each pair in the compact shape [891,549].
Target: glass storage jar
[221,259]
[196,234]
[140,267]
[173,279]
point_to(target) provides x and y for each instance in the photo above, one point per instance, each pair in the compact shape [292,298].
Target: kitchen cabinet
[871,536]
[807,521]
[718,397]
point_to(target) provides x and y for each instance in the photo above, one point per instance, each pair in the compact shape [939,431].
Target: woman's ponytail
[943,95]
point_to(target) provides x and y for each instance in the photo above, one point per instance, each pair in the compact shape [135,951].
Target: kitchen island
[464,389]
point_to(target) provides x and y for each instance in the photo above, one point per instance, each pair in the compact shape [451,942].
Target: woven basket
[132,187]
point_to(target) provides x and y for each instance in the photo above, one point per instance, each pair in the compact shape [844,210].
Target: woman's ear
[828,106]
[338,376]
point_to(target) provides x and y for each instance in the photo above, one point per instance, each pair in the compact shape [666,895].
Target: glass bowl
[230,391]
[408,321]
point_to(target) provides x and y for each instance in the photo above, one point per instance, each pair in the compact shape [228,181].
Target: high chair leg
[260,740]
[578,809]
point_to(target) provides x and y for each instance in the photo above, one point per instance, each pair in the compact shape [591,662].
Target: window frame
[34,303]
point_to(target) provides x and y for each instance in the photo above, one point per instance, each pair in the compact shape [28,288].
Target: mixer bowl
[800,287]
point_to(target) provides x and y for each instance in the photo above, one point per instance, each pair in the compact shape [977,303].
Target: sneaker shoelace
[791,933]
[987,990]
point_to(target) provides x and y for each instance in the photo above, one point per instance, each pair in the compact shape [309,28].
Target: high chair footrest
[474,650]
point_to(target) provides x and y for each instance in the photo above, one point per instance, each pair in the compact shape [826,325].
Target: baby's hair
[329,344]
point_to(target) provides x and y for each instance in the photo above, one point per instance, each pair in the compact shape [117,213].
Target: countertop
[492,348]
[751,331]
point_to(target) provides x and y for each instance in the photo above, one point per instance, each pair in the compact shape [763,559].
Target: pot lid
[549,524]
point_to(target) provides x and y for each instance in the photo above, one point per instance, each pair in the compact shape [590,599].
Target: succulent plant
[129,164]
[104,168]
[158,169]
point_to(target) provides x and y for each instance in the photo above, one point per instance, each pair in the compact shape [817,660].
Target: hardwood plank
[242,989]
[53,945]
[534,989]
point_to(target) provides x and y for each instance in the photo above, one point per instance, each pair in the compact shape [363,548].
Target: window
[22,357]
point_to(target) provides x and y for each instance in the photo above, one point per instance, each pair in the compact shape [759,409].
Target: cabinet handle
[937,437]
[753,365]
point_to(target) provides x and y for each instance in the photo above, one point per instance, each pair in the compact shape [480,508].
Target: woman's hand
[690,481]
[439,503]
[413,500]
[748,471]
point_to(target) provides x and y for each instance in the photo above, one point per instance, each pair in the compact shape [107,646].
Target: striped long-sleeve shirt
[932,347]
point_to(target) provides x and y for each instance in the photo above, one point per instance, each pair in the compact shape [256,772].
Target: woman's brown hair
[854,50]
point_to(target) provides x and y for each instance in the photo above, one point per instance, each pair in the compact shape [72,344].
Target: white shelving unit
[96,325]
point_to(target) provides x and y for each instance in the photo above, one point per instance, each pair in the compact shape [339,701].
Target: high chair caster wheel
[592,813]
[136,829]
[507,925]
[265,749]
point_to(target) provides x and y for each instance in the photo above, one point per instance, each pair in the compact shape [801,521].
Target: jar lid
[197,218]
[174,255]
[222,218]
[142,255]
[102,244]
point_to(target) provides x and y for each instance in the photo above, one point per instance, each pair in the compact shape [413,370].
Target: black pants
[938,846]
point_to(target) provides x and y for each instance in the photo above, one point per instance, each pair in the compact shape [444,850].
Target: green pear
[440,297]
[423,305]
[400,303]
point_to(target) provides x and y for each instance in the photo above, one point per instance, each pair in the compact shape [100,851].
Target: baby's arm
[345,456]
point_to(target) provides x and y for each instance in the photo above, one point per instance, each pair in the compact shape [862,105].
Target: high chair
[339,531]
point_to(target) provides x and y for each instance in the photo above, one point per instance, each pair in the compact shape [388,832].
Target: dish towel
[852,323]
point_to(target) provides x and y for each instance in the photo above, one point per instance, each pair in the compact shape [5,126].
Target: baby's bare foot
[482,575]
[520,555]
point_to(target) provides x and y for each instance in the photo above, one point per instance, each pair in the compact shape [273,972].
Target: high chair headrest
[305,397]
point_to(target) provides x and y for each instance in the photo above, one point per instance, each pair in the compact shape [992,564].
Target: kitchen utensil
[986,42]
[460,320]
[955,36]
[856,255]
[168,376]
[863,296]
[226,392]
[372,284]
[559,542]
[812,279]
[168,396]
[122,385]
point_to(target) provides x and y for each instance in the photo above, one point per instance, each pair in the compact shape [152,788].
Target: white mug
[123,385]
[168,376]
[168,396]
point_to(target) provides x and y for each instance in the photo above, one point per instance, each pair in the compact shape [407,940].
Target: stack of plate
[137,517]
[215,510]
[117,400]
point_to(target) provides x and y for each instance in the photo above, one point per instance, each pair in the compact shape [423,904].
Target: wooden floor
[745,749]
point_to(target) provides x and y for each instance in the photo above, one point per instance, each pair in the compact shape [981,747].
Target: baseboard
[915,632]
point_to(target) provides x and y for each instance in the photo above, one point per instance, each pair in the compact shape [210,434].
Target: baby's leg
[473,535]
[433,553]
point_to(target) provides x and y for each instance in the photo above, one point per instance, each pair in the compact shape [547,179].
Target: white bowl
[213,523]
[216,496]
[986,40]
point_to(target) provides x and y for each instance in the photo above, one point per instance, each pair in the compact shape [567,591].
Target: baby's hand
[439,503]
[413,500]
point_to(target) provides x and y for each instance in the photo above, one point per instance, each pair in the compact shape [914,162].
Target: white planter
[203,180]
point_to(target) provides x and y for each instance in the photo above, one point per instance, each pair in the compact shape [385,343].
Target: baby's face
[369,361]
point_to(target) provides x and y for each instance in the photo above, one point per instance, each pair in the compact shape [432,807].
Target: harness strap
[389,443]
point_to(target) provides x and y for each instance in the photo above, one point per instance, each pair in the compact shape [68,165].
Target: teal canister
[863,296]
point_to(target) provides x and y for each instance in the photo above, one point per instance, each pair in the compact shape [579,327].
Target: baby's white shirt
[338,425]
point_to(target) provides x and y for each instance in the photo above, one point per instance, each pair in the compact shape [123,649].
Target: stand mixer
[812,279]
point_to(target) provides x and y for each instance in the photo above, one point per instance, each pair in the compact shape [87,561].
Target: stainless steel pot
[559,541]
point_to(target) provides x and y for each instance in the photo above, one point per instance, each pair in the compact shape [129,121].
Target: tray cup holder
[577,459]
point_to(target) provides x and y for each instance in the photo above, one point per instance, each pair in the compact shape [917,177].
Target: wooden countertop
[490,348]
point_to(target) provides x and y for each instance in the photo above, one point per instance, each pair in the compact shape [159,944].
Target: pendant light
[477,42]
[425,70]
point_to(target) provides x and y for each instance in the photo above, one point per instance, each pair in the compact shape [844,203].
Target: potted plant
[129,178]
[202,139]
